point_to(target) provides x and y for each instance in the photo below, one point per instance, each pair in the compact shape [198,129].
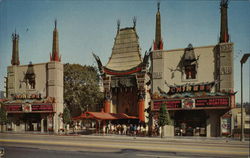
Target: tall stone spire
[15,49]
[158,44]
[55,47]
[224,36]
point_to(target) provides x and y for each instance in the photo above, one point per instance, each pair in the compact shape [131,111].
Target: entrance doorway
[190,123]
[32,122]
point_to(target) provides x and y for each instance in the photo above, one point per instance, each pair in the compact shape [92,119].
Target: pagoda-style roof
[126,51]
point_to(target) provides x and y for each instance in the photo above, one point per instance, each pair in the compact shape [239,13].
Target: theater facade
[35,91]
[125,76]
[195,84]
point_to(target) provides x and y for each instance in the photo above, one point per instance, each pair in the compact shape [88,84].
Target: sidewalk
[175,138]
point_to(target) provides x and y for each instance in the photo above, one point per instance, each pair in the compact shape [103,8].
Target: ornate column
[107,105]
[141,106]
[107,101]
[140,78]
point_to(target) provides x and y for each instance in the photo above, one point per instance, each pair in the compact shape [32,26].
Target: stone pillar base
[107,104]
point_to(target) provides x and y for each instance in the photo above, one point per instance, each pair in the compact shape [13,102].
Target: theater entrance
[20,122]
[32,122]
[190,123]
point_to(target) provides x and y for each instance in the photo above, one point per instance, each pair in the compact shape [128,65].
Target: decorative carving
[26,107]
[99,63]
[140,78]
[146,60]
[141,94]
[30,77]
[156,95]
[226,47]
[106,82]
[225,70]
[157,55]
[157,75]
[107,95]
[122,82]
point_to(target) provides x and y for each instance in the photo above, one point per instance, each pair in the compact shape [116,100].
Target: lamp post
[242,61]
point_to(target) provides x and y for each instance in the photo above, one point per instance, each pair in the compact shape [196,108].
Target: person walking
[124,129]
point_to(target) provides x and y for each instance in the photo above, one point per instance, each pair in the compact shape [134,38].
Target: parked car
[1,152]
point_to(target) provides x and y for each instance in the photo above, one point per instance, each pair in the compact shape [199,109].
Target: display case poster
[226,125]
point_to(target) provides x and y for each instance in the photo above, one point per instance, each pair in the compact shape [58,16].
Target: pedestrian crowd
[139,129]
[125,129]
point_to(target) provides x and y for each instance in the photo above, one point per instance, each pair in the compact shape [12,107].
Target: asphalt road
[40,146]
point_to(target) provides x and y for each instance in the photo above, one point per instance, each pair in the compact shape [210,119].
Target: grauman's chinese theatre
[195,84]
[35,91]
[125,75]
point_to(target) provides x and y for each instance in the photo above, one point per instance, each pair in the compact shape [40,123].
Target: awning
[103,116]
[82,116]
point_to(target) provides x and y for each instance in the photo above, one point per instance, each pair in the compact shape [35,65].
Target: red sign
[213,102]
[45,107]
[13,108]
[25,108]
[192,103]
[170,104]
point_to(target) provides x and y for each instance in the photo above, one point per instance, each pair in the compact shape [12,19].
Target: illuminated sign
[213,102]
[191,88]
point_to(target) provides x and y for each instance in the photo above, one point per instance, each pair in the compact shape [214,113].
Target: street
[38,146]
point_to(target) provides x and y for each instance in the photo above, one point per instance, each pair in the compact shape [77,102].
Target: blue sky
[90,26]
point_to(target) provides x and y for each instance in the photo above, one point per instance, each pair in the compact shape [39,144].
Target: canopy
[103,116]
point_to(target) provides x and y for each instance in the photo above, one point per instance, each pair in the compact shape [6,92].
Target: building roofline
[199,47]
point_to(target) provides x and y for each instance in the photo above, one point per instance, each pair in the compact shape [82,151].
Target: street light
[242,61]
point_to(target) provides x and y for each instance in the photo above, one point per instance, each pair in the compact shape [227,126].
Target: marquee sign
[206,87]
[170,104]
[192,103]
[13,107]
[26,107]
[224,102]
[46,107]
